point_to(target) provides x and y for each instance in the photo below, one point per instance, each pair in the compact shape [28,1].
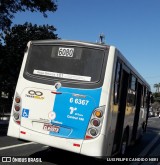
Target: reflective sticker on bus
[51,115]
[62,75]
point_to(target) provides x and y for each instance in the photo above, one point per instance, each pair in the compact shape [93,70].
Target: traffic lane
[10,146]
[55,156]
[61,157]
[143,142]
[9,141]
[18,153]
[154,122]
[58,157]
[6,140]
[50,156]
[25,149]
[64,157]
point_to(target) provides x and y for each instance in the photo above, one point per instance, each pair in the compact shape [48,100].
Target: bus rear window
[65,62]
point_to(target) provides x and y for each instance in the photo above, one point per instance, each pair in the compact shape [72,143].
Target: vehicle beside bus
[81,97]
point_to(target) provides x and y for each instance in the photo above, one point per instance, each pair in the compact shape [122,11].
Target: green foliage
[9,7]
[14,40]
[156,97]
[156,106]
[157,87]
[15,43]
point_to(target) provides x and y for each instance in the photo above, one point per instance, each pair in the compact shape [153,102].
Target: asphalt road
[149,147]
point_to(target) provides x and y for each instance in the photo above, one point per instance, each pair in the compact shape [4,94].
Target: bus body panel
[69,111]
[95,147]
[72,145]
[60,117]
[13,128]
[108,128]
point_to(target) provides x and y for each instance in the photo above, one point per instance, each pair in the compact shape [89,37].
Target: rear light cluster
[17,109]
[95,123]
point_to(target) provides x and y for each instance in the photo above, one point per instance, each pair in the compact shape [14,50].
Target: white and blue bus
[80,97]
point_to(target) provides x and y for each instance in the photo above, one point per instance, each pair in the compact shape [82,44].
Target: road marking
[149,146]
[45,147]
[147,149]
[17,145]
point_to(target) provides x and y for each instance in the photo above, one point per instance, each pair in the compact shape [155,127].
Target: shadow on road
[60,157]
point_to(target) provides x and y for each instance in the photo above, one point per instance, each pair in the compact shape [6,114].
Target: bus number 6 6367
[79,101]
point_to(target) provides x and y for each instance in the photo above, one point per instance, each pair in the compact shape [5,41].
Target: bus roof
[50,41]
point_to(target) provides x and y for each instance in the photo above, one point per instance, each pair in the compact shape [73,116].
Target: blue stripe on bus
[73,112]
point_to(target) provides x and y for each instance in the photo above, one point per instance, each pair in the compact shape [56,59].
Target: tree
[157,87]
[156,106]
[16,41]
[9,7]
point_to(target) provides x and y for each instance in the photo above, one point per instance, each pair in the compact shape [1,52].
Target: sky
[133,26]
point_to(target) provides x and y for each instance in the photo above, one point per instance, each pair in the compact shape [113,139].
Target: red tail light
[56,93]
[17,100]
[17,110]
[95,124]
[17,107]
[76,145]
[22,132]
[18,122]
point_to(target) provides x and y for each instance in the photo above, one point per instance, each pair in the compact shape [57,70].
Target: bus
[79,96]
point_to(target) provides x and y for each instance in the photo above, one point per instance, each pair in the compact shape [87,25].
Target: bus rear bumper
[52,141]
[94,147]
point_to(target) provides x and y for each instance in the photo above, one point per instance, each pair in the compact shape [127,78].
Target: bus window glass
[117,83]
[62,62]
[118,69]
[131,97]
[146,98]
[131,91]
[133,83]
[143,97]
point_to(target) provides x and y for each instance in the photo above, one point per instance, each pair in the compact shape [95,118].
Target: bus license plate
[51,128]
